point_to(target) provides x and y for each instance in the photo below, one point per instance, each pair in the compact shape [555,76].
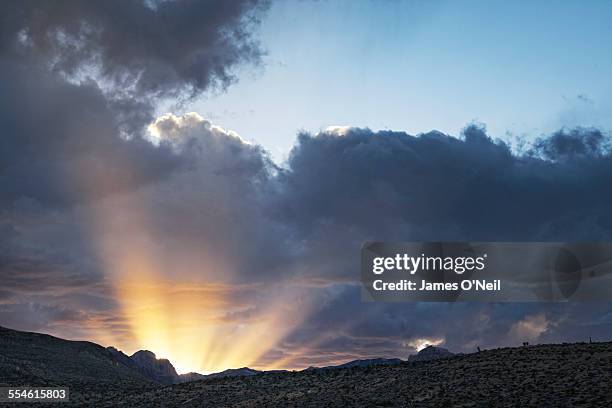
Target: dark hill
[565,375]
[40,359]
[234,372]
[361,363]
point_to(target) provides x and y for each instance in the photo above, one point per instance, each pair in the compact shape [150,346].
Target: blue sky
[522,68]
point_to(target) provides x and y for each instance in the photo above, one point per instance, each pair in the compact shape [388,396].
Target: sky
[169,179]
[522,68]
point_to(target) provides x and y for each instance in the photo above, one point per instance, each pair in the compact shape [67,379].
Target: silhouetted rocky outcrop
[160,370]
[123,358]
[430,353]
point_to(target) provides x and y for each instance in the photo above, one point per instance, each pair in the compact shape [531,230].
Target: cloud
[79,85]
[96,192]
[340,190]
[35,316]
[570,144]
[530,328]
[81,80]
[234,217]
[437,187]
[152,48]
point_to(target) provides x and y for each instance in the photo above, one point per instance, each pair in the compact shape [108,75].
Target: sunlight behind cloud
[175,129]
[180,302]
[422,342]
[338,130]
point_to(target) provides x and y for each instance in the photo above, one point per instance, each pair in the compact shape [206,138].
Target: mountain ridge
[42,359]
[99,376]
[148,367]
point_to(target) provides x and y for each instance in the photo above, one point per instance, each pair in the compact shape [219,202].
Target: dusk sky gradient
[196,178]
[523,68]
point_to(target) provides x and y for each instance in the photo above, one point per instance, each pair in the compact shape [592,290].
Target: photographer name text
[425,286]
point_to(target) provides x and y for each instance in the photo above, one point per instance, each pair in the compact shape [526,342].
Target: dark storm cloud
[353,329]
[34,276]
[570,144]
[35,316]
[80,81]
[306,221]
[61,141]
[217,204]
[44,250]
[339,190]
[155,48]
[436,187]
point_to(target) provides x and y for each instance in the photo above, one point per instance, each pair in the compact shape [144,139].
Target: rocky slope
[39,359]
[35,358]
[567,375]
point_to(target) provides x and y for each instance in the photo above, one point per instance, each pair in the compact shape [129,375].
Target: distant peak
[149,352]
[430,348]
[430,353]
